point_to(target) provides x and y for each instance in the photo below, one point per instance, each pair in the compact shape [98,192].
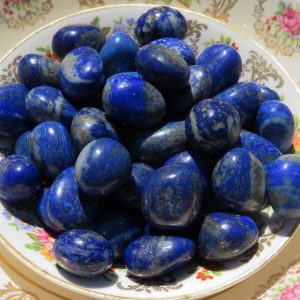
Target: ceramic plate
[22,235]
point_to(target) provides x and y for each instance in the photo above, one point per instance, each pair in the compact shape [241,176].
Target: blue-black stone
[83,252]
[22,144]
[268,94]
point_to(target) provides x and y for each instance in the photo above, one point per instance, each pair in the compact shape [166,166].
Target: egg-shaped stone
[83,252]
[102,167]
[20,179]
[212,126]
[162,67]
[128,73]
[159,22]
[81,75]
[70,37]
[35,70]
[172,197]
[153,256]
[51,148]
[22,146]
[224,64]
[225,236]
[14,119]
[46,103]
[268,94]
[133,101]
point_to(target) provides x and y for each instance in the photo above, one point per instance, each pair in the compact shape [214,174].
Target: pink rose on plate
[290,22]
[291,293]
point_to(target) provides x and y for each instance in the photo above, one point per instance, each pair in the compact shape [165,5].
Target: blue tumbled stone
[83,252]
[268,94]
[22,144]
[224,236]
[19,179]
[159,22]
[152,256]
[129,73]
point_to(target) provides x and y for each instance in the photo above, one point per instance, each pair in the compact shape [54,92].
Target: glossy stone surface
[284,186]
[22,144]
[224,64]
[19,179]
[159,22]
[83,252]
[212,126]
[158,143]
[152,256]
[128,73]
[162,67]
[14,119]
[180,47]
[102,167]
[118,54]
[70,37]
[81,75]
[119,228]
[51,148]
[45,103]
[133,101]
[172,197]
[88,125]
[245,97]
[35,70]
[268,94]
[239,181]
[275,123]
[225,236]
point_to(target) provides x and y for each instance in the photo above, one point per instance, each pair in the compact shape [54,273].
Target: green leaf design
[291,280]
[186,3]
[119,21]
[281,6]
[105,30]
[217,273]
[278,13]
[33,237]
[228,40]
[296,120]
[40,49]
[222,38]
[33,247]
[14,225]
[167,2]
[96,21]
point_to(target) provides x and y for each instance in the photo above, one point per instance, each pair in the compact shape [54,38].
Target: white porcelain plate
[31,244]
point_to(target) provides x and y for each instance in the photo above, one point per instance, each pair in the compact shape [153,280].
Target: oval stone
[268,94]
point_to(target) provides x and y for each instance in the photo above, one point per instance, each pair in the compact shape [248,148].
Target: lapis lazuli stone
[45,103]
[22,144]
[245,97]
[14,119]
[119,228]
[152,256]
[133,101]
[70,37]
[268,94]
[128,73]
[81,75]
[162,67]
[239,181]
[224,64]
[275,123]
[212,126]
[51,148]
[172,197]
[20,179]
[88,125]
[159,22]
[180,47]
[83,252]
[284,186]
[225,236]
[158,143]
[35,70]
[102,167]
[118,54]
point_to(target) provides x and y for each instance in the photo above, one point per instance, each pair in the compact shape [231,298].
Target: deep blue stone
[73,36]
[45,103]
[83,252]
[14,119]
[51,148]
[275,123]
[284,186]
[102,167]
[268,94]
[19,179]
[129,73]
[22,145]
[172,197]
[225,236]
[81,74]
[35,70]
[212,126]
[162,67]
[118,54]
[224,64]
[159,22]
[119,228]
[133,101]
[152,256]
[245,97]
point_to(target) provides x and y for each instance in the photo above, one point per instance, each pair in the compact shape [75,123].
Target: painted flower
[297,142]
[45,238]
[204,274]
[291,293]
[290,22]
